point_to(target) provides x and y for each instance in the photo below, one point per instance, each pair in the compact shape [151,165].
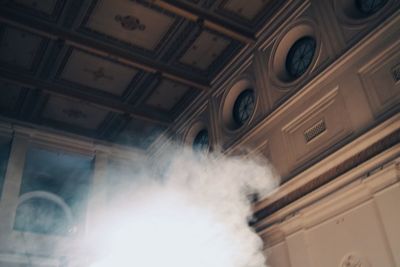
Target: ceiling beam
[104,102]
[193,13]
[100,48]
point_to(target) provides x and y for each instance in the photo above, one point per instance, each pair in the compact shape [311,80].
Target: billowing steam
[194,213]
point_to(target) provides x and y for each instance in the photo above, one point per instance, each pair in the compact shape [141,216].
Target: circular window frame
[280,50]
[229,98]
[203,133]
[51,198]
[236,111]
[348,13]
[194,129]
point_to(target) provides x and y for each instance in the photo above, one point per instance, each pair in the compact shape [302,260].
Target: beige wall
[352,219]
[356,223]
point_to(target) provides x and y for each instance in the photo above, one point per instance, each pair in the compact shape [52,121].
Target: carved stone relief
[354,260]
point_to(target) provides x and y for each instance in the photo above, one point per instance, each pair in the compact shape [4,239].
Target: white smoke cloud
[193,213]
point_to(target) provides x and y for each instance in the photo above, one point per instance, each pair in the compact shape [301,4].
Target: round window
[369,7]
[300,56]
[244,106]
[201,142]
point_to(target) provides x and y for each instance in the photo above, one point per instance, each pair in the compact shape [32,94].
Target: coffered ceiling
[118,70]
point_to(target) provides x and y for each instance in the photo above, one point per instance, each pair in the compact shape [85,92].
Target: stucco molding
[355,160]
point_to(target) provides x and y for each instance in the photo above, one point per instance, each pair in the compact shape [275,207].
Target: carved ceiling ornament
[98,74]
[354,260]
[130,23]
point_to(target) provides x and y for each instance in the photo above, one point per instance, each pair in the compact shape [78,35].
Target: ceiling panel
[45,6]
[204,50]
[131,22]
[139,134]
[166,95]
[19,48]
[72,112]
[10,96]
[98,73]
[248,9]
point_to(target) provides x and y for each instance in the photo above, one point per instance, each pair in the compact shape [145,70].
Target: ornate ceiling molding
[91,45]
[99,100]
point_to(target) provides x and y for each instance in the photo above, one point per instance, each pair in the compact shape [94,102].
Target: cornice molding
[70,142]
[383,138]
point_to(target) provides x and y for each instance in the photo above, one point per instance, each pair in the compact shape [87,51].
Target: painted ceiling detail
[130,23]
[166,95]
[117,70]
[139,25]
[204,50]
[97,73]
[74,113]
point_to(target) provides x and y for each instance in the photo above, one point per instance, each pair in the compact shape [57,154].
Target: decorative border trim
[332,173]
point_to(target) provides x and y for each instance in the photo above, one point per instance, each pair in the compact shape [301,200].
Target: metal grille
[315,130]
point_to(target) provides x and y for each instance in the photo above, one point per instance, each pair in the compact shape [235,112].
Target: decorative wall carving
[353,260]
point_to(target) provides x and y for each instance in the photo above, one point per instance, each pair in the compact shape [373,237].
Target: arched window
[244,106]
[300,56]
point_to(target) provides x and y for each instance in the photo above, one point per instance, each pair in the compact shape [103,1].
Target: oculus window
[300,56]
[201,141]
[244,106]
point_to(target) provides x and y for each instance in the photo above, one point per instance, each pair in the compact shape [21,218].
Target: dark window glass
[5,146]
[300,56]
[369,7]
[66,175]
[201,141]
[244,106]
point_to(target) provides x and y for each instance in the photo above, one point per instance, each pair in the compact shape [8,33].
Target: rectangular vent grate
[315,130]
